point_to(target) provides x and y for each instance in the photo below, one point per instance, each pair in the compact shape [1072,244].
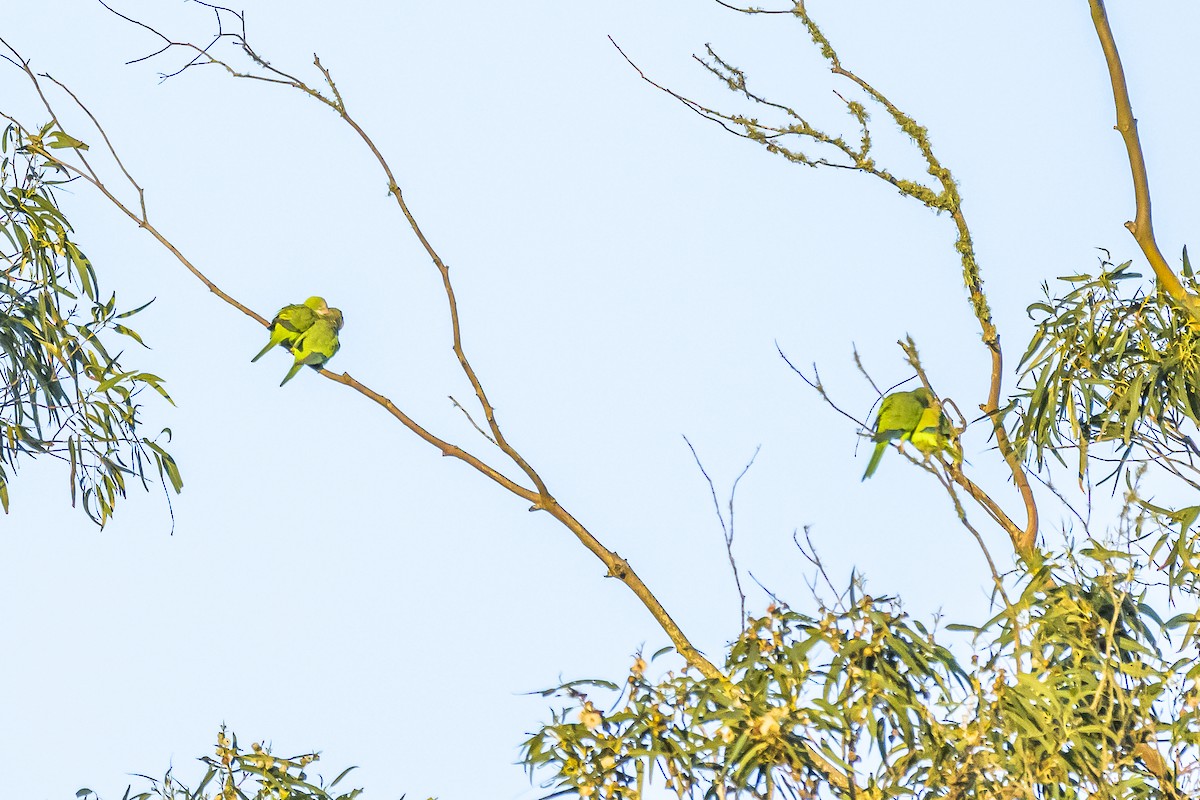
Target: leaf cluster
[1075,681]
[858,683]
[1110,363]
[63,393]
[253,774]
[1067,695]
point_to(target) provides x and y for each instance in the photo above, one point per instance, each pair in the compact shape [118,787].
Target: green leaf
[60,140]
[112,381]
[142,307]
[341,775]
[130,332]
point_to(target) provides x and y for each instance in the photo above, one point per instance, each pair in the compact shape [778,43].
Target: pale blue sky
[623,270]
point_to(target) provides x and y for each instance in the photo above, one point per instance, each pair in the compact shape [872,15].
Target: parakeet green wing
[315,346]
[899,415]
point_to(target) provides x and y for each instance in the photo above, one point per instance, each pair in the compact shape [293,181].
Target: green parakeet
[899,415]
[934,434]
[291,321]
[317,344]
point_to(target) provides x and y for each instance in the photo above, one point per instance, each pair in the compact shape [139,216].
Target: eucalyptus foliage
[256,773]
[1066,694]
[1112,362]
[64,393]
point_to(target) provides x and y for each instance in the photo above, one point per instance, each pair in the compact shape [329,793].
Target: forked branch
[841,153]
[538,496]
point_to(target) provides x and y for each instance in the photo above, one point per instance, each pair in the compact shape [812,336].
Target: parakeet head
[317,304]
[923,395]
[334,315]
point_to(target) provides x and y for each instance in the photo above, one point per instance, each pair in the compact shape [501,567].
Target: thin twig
[695,107]
[471,420]
[727,531]
[732,495]
[1062,499]
[813,557]
[816,384]
[987,555]
[774,597]
[862,370]
[748,10]
[107,143]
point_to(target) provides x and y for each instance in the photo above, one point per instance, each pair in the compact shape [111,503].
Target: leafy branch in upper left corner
[62,393]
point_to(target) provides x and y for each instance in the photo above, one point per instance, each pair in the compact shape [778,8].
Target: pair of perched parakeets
[914,417]
[309,330]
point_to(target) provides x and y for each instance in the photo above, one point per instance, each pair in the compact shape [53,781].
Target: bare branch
[1141,226]
[727,530]
[814,558]
[107,143]
[748,10]
[539,497]
[696,107]
[88,174]
[997,581]
[470,419]
[816,384]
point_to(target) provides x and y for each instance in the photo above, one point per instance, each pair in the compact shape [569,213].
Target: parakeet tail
[264,351]
[874,462]
[291,373]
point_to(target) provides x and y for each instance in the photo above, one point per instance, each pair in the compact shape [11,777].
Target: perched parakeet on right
[899,415]
[291,321]
[317,344]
